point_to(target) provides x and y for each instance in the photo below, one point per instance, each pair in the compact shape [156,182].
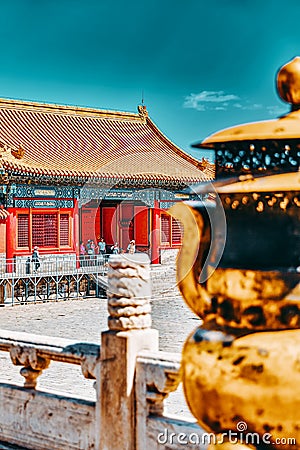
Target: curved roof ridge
[175,147]
[46,107]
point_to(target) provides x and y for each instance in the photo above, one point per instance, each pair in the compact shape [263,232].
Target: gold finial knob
[288,82]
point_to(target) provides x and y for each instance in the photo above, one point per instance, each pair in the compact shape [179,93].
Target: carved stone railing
[34,353]
[132,378]
[44,420]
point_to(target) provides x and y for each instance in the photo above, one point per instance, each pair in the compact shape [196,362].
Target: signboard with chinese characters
[44,192]
[30,191]
[19,203]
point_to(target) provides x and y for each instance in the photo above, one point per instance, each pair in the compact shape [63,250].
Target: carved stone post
[32,363]
[129,322]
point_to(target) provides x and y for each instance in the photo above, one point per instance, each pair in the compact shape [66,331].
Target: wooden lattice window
[23,230]
[171,230]
[165,231]
[64,230]
[44,230]
[177,232]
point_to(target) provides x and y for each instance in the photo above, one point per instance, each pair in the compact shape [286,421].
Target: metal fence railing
[24,266]
[52,278]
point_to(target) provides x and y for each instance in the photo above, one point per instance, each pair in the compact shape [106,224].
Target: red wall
[2,236]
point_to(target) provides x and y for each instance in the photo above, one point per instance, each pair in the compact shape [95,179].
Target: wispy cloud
[248,106]
[209,100]
[221,101]
[277,110]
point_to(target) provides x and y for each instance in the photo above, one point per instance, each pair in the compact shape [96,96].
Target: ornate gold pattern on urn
[238,270]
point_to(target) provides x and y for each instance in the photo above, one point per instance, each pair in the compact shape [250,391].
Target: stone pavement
[83,320]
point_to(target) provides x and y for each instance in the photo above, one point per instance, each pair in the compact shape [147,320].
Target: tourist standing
[101,251]
[91,251]
[82,253]
[131,247]
[28,266]
[35,258]
[115,249]
[102,246]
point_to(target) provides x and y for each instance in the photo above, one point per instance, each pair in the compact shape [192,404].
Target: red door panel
[88,217]
[141,225]
[109,231]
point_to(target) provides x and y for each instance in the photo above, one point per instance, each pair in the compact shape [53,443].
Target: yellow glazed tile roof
[72,141]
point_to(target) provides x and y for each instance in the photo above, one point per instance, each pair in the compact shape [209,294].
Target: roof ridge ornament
[142,109]
[19,152]
[288,83]
[7,150]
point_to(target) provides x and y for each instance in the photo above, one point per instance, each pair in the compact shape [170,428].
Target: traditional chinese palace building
[70,174]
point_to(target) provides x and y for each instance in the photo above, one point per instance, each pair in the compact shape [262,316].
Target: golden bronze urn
[239,271]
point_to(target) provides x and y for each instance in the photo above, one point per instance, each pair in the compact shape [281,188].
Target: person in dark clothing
[27,266]
[102,246]
[35,258]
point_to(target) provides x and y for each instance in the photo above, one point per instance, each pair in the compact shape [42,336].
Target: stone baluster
[157,375]
[89,367]
[129,322]
[32,363]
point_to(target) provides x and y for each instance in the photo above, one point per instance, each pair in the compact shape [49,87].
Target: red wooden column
[126,214]
[155,234]
[75,243]
[10,240]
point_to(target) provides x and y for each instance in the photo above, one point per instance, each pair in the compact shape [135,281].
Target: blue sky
[202,65]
